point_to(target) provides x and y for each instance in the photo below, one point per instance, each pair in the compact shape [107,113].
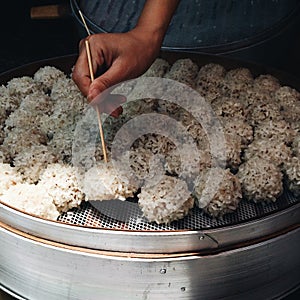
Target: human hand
[125,55]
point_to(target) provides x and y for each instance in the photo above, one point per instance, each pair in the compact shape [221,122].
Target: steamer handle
[47,12]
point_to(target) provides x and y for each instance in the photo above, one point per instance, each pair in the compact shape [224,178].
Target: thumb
[112,76]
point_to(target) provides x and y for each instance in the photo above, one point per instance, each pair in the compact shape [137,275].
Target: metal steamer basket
[88,254]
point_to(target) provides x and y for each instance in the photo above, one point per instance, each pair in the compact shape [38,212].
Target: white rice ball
[102,182]
[237,126]
[32,199]
[274,151]
[292,171]
[296,145]
[266,83]
[19,139]
[9,177]
[228,107]
[22,86]
[263,111]
[166,201]
[184,71]
[236,81]
[286,96]
[61,183]
[261,180]
[48,76]
[221,201]
[209,81]
[31,162]
[158,68]
[279,131]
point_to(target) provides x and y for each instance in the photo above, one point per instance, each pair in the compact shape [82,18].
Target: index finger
[81,74]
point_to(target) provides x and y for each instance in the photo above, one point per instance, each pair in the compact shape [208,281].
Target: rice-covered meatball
[61,183]
[261,180]
[47,76]
[8,102]
[233,150]
[19,139]
[145,165]
[20,120]
[289,101]
[296,145]
[217,202]
[286,96]
[155,143]
[236,81]
[266,83]
[211,73]
[259,112]
[22,86]
[61,144]
[184,71]
[292,171]
[102,182]
[279,131]
[158,69]
[253,96]
[180,164]
[274,151]
[9,177]
[142,106]
[228,107]
[67,96]
[37,103]
[209,81]
[292,116]
[166,201]
[32,199]
[31,162]
[238,126]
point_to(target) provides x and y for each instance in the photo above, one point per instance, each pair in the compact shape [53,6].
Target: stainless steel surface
[150,241]
[36,269]
[196,232]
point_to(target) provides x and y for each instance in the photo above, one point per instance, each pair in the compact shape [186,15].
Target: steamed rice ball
[61,183]
[158,68]
[103,182]
[218,200]
[274,151]
[292,171]
[9,177]
[47,76]
[32,199]
[261,180]
[166,201]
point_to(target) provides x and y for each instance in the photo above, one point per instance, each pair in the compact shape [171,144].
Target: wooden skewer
[84,23]
[88,52]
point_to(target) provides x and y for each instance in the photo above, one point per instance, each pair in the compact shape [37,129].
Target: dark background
[24,40]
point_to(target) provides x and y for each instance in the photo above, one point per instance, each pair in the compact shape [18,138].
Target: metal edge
[264,270]
[150,242]
[34,224]
[11,293]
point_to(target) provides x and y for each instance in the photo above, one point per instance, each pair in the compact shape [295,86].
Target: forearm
[155,18]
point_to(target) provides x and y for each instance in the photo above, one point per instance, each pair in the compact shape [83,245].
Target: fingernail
[93,93]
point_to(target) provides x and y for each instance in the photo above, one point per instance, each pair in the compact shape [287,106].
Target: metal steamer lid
[204,25]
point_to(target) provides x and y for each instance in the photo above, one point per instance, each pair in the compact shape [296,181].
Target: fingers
[81,74]
[115,74]
[109,103]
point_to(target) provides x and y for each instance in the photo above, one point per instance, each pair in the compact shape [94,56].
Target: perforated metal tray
[87,227]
